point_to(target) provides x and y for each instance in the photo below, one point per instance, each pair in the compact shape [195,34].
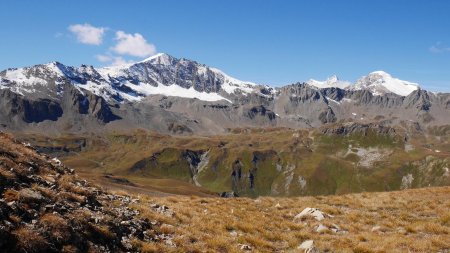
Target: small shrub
[30,241]
[56,227]
[10,195]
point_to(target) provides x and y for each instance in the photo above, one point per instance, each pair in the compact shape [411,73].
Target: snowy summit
[331,82]
[380,83]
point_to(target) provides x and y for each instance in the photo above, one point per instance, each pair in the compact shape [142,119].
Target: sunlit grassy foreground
[403,221]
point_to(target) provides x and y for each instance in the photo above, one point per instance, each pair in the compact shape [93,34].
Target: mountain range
[172,95]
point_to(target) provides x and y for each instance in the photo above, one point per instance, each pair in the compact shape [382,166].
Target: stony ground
[45,207]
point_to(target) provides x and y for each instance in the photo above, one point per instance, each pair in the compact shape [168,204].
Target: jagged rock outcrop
[357,128]
[260,111]
[419,99]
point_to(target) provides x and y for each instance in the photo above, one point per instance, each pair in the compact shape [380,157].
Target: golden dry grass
[404,221]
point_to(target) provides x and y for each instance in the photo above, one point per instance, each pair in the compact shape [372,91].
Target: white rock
[401,230]
[376,228]
[308,246]
[335,228]
[407,181]
[321,228]
[313,212]
[245,247]
[57,161]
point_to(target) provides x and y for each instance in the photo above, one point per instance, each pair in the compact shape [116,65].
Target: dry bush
[30,241]
[167,229]
[445,219]
[436,228]
[56,227]
[101,232]
[63,196]
[70,249]
[68,183]
[6,174]
[10,195]
[79,219]
[15,219]
[47,192]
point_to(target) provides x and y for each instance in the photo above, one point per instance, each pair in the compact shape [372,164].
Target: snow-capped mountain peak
[159,58]
[160,74]
[332,82]
[380,83]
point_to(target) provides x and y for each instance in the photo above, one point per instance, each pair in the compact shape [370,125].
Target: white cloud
[439,48]
[133,44]
[103,58]
[88,34]
[112,60]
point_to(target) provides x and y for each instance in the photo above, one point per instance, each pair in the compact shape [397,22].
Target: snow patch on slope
[231,84]
[18,82]
[172,90]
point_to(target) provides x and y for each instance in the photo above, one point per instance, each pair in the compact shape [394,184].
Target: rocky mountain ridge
[173,95]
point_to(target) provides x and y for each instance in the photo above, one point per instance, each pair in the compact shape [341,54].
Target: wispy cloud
[58,35]
[88,34]
[439,48]
[133,45]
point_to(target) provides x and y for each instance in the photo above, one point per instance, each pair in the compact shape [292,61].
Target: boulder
[162,209]
[246,247]
[376,228]
[27,195]
[228,195]
[336,229]
[311,212]
[308,247]
[321,228]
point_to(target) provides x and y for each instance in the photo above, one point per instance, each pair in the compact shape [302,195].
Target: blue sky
[270,42]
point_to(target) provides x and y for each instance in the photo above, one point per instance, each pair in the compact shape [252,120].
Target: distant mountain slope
[334,159]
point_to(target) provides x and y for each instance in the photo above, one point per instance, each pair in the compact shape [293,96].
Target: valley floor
[415,220]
